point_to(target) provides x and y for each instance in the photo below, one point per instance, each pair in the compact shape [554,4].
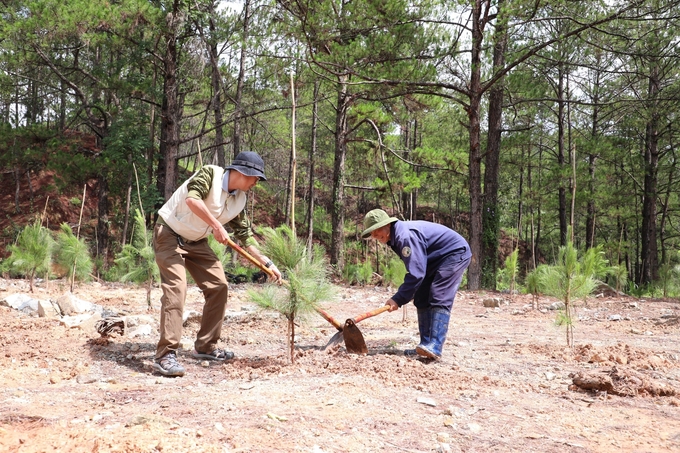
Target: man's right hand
[392,304]
[221,235]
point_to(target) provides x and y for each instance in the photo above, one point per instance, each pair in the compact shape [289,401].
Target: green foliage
[136,261]
[308,282]
[322,222]
[595,264]
[72,255]
[395,271]
[507,277]
[358,274]
[567,280]
[619,275]
[668,279]
[220,250]
[533,282]
[32,253]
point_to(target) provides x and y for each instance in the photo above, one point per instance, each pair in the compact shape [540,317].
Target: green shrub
[73,256]
[31,255]
[137,260]
[395,271]
[507,276]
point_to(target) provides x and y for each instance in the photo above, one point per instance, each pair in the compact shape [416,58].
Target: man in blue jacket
[435,258]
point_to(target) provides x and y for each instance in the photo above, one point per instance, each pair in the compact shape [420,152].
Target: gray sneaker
[168,365]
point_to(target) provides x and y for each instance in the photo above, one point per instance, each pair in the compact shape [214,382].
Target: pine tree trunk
[562,191]
[490,209]
[338,206]
[475,158]
[312,152]
[170,110]
[649,253]
[238,108]
[217,90]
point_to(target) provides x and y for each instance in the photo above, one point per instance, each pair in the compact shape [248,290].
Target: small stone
[474,427]
[492,302]
[85,379]
[427,401]
[443,437]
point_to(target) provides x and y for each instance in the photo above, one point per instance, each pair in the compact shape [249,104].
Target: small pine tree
[567,281]
[307,279]
[668,274]
[620,275]
[72,255]
[595,263]
[32,252]
[137,260]
[511,270]
[532,283]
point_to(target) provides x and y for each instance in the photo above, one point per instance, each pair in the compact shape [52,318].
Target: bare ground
[507,382]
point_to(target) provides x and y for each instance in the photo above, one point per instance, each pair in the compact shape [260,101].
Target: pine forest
[523,125]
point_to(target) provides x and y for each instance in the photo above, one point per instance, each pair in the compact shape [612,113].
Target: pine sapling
[32,252]
[567,281]
[72,255]
[620,275]
[137,260]
[511,270]
[532,284]
[307,277]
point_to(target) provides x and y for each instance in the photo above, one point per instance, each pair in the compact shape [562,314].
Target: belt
[181,241]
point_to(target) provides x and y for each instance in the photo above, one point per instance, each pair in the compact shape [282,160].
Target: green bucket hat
[375,219]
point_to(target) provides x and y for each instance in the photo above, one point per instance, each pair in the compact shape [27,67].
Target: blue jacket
[423,246]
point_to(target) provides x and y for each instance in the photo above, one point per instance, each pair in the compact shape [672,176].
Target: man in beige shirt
[211,198]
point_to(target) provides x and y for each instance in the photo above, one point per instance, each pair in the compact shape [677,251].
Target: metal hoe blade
[354,340]
[335,340]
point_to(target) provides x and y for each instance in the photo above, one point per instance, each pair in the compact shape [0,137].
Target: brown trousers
[203,265]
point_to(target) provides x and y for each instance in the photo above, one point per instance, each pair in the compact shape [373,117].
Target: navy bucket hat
[249,164]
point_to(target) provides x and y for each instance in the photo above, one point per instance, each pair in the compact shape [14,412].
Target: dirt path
[505,383]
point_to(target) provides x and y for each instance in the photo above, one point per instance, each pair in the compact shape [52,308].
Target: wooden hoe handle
[372,313]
